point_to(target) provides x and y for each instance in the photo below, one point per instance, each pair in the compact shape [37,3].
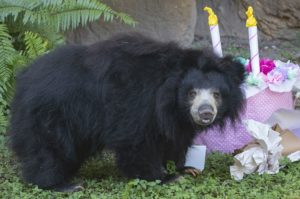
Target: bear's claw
[193,171]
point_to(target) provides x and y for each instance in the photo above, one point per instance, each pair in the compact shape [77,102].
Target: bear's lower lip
[205,122]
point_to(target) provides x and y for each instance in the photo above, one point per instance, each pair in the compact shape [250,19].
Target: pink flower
[266,65]
[275,77]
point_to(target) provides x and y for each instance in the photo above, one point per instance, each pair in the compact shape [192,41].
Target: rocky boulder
[181,20]
[163,19]
[276,19]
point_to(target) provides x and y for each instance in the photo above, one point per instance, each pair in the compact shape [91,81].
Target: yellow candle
[214,31]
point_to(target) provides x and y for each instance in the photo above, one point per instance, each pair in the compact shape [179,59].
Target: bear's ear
[235,70]
[166,107]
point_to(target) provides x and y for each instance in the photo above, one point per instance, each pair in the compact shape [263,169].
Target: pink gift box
[258,107]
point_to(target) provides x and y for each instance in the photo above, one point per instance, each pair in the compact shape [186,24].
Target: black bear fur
[127,94]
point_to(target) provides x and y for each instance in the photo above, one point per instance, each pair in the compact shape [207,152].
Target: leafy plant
[8,54]
[101,180]
[171,167]
[30,28]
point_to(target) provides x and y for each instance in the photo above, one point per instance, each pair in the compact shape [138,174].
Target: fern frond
[72,13]
[52,2]
[34,45]
[7,54]
[20,8]
[60,14]
[126,19]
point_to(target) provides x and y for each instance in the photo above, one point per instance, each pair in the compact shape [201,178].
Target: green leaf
[60,14]
[35,45]
[7,53]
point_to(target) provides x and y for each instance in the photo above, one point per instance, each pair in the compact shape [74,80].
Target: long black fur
[126,94]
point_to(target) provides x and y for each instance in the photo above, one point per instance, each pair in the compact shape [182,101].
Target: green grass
[237,51]
[102,180]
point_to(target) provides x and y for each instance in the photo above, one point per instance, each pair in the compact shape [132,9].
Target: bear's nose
[206,113]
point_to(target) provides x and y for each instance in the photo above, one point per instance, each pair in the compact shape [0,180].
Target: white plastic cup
[195,157]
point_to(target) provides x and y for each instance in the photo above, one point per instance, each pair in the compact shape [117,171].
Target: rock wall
[277,19]
[230,23]
[162,19]
[181,20]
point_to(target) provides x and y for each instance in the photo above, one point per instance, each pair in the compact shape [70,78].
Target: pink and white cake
[268,87]
[265,93]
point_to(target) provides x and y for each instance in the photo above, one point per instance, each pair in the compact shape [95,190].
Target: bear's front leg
[176,155]
[140,162]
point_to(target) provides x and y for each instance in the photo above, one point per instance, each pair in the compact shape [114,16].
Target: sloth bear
[142,99]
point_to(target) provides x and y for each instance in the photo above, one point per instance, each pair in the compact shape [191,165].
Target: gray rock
[277,19]
[162,19]
[181,20]
[230,22]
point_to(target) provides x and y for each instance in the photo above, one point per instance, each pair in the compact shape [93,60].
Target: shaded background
[186,22]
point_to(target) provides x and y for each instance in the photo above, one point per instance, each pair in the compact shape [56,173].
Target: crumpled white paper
[261,156]
[293,157]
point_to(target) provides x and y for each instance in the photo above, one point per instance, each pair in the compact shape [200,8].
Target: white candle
[216,40]
[214,31]
[253,41]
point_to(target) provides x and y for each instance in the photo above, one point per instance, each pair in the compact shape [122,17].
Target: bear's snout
[203,107]
[206,114]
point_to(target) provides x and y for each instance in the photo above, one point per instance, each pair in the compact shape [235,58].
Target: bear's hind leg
[49,170]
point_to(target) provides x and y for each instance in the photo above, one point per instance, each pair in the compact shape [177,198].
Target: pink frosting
[275,77]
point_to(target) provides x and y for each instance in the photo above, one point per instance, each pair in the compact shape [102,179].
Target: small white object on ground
[195,157]
[293,157]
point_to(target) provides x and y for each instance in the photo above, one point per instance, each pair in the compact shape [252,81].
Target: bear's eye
[217,95]
[192,94]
